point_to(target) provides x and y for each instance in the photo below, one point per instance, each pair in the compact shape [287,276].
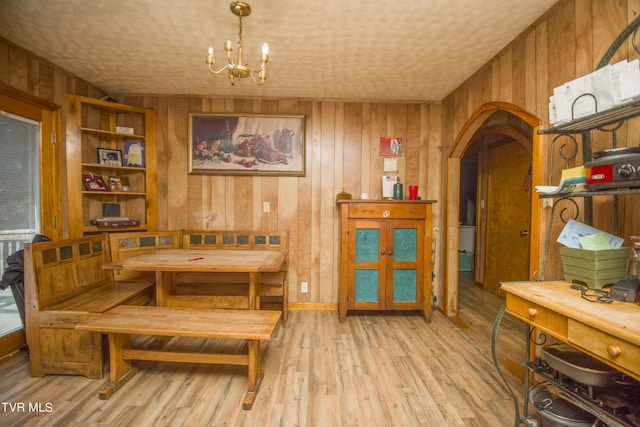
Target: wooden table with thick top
[609,332]
[166,262]
[124,321]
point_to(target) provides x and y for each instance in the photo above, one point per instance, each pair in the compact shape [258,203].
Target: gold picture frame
[247,144]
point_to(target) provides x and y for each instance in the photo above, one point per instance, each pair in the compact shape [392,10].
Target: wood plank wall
[342,145]
[28,73]
[342,138]
[23,70]
[567,42]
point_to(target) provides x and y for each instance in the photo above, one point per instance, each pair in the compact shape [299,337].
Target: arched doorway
[474,128]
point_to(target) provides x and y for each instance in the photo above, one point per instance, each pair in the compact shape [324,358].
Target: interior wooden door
[508,216]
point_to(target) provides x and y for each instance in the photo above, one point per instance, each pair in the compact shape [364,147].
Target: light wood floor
[372,370]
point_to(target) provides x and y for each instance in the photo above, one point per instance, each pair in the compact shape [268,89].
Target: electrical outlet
[266,207]
[547,203]
[304,287]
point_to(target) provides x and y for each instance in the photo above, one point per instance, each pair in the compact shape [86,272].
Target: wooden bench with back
[273,292]
[127,244]
[65,284]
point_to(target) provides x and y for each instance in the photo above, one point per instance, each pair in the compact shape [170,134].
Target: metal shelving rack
[583,127]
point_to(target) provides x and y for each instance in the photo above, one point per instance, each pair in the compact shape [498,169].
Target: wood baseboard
[317,307]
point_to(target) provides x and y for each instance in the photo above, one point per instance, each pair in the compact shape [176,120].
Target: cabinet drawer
[387,211]
[620,354]
[536,315]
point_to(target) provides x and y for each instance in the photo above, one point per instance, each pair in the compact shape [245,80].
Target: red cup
[413,192]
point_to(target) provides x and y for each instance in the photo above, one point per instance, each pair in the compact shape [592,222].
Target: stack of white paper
[572,179]
[603,89]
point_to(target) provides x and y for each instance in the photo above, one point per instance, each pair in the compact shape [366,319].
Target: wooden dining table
[167,262]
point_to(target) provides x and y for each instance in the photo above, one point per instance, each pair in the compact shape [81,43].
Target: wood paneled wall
[567,42]
[342,146]
[22,70]
[30,74]
[342,139]
[342,153]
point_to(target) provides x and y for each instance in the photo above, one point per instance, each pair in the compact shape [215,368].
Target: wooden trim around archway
[468,133]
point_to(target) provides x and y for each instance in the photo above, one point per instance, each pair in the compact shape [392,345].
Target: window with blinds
[19,174]
[19,200]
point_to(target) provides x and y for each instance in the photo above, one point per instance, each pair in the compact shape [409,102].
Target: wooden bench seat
[65,284]
[104,298]
[124,321]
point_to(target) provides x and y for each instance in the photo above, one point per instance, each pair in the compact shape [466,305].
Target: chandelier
[237,69]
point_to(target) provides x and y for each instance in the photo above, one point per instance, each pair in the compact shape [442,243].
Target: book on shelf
[134,154]
[572,180]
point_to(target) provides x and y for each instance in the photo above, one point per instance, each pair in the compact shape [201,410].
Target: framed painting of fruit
[246,144]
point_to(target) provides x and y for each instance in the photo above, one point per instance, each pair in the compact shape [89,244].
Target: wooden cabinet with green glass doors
[385,256]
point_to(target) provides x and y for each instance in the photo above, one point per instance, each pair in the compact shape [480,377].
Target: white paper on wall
[390,165]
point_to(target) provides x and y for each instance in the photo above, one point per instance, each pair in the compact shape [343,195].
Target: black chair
[13,276]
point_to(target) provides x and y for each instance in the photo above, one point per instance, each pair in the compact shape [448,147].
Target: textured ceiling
[319,49]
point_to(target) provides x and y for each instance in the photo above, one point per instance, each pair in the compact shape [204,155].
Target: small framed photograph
[390,146]
[94,183]
[119,183]
[109,157]
[134,154]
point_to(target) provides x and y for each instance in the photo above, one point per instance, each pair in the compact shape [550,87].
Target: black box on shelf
[111,210]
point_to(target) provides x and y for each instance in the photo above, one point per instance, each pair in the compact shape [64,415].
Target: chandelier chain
[240,33]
